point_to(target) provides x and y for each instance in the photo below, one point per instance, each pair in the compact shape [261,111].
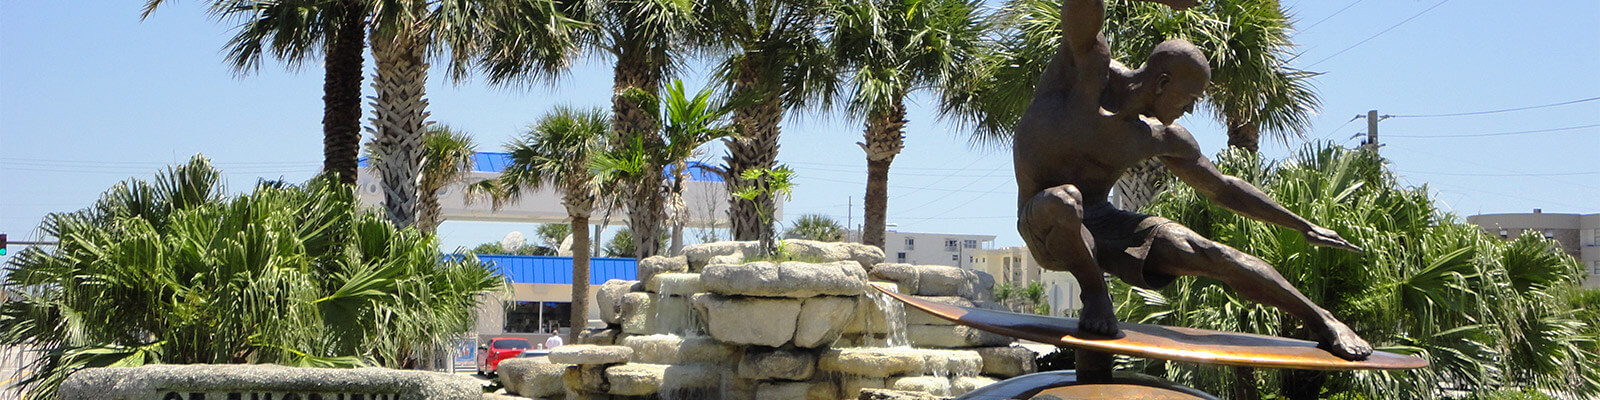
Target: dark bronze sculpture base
[1070,385]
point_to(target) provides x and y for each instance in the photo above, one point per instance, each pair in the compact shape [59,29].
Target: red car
[500,348]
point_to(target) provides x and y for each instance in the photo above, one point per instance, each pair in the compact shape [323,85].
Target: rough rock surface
[1008,362]
[851,386]
[917,317]
[145,382]
[872,362]
[866,256]
[602,337]
[952,337]
[674,349]
[943,280]
[962,385]
[692,381]
[674,284]
[823,319]
[639,313]
[904,275]
[532,377]
[891,394]
[788,279]
[584,354]
[586,379]
[635,379]
[934,385]
[699,255]
[608,299]
[654,265]
[786,364]
[950,362]
[795,391]
[749,321]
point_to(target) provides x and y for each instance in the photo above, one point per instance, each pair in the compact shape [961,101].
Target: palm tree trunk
[644,218]
[640,67]
[428,211]
[341,93]
[399,116]
[580,276]
[1244,134]
[885,137]
[756,147]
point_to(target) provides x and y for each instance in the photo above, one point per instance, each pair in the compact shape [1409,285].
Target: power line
[1497,133]
[1380,33]
[1319,22]
[1498,111]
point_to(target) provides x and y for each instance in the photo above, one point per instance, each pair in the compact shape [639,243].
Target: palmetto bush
[177,270]
[1486,313]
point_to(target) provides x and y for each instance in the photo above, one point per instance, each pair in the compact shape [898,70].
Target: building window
[900,258]
[969,243]
[951,244]
[1549,233]
[911,244]
[1596,270]
[1594,238]
[955,257]
[1007,262]
[535,316]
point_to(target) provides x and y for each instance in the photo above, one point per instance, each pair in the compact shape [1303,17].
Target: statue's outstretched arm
[1184,159]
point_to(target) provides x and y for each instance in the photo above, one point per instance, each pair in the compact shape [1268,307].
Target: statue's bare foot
[1098,318]
[1343,342]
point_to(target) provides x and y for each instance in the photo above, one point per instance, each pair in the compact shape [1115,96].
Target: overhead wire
[1320,21]
[1380,33]
[1569,128]
[1462,114]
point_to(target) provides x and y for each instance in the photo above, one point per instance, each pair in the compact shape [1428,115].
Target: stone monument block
[225,382]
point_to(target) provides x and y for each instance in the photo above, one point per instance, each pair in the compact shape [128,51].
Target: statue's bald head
[1172,79]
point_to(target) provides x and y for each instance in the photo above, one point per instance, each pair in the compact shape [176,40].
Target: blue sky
[90,95]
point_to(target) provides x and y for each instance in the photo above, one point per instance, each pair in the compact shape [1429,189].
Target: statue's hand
[1327,237]
[1178,4]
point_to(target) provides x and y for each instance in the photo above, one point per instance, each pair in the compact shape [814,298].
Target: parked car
[500,348]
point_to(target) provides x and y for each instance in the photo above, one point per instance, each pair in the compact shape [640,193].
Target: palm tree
[447,159]
[645,38]
[295,32]
[690,123]
[179,271]
[893,48]
[1484,312]
[557,152]
[772,61]
[1253,89]
[817,227]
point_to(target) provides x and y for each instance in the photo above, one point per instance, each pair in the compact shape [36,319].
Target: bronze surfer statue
[1090,120]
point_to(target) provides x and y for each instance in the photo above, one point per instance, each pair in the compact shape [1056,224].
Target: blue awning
[494,162]
[558,270]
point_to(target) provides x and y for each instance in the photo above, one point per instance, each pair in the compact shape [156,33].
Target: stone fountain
[716,323]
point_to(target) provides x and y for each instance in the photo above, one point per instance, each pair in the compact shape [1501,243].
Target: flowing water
[894,317]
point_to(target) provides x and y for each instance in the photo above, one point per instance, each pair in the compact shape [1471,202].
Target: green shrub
[178,271]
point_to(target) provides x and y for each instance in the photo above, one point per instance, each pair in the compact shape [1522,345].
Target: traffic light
[2,244]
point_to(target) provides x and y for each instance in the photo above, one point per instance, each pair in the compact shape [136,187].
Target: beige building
[1578,234]
[1015,265]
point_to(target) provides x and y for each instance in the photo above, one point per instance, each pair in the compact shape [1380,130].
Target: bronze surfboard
[1163,342]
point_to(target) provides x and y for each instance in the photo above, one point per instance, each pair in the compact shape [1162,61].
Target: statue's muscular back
[1066,137]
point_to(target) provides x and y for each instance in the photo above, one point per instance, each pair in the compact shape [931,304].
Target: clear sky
[90,95]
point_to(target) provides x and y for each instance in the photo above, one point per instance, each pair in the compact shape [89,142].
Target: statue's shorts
[1122,242]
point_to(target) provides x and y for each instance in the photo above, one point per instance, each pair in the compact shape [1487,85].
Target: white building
[932,248]
[1015,265]
[1578,234]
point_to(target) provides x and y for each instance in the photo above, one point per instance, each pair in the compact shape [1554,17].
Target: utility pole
[849,215]
[1372,129]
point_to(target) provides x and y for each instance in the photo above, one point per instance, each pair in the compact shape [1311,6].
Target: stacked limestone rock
[717,323]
